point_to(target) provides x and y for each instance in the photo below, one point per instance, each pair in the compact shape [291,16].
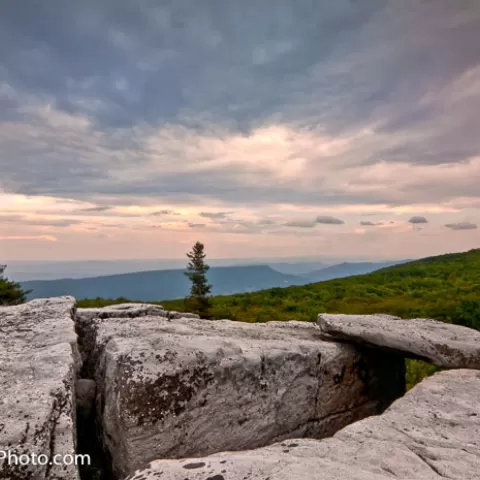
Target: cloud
[164,212]
[196,225]
[181,109]
[300,223]
[214,215]
[99,208]
[417,220]
[461,226]
[367,223]
[45,222]
[344,117]
[327,220]
[266,222]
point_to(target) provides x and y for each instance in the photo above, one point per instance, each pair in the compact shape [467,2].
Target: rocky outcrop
[432,433]
[38,365]
[156,384]
[194,387]
[443,344]
[122,310]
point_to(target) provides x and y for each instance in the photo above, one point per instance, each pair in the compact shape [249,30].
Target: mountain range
[157,285]
[343,270]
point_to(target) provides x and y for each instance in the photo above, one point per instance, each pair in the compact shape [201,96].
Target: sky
[132,129]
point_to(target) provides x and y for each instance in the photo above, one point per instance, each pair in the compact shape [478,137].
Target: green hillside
[445,287]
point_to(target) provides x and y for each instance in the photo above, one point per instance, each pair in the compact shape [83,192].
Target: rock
[195,387]
[432,433]
[89,317]
[130,310]
[174,315]
[445,345]
[38,364]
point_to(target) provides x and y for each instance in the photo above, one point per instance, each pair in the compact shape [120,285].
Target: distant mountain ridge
[162,284]
[28,270]
[346,269]
[172,284]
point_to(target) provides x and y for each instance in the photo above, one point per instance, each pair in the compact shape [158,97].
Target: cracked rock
[194,387]
[432,433]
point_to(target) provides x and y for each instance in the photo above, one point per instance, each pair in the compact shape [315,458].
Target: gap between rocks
[89,429]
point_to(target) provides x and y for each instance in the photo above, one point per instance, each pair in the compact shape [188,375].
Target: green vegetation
[11,293]
[199,299]
[445,287]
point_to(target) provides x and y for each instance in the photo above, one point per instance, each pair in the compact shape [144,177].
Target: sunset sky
[131,129]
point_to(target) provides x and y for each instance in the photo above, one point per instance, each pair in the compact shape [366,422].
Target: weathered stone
[195,387]
[130,310]
[432,433]
[88,319]
[174,315]
[38,364]
[443,344]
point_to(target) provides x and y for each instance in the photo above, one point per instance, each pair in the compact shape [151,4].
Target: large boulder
[443,344]
[194,387]
[38,365]
[432,433]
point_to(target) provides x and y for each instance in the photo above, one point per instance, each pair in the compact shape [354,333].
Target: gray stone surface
[443,344]
[88,319]
[174,315]
[129,310]
[195,387]
[38,364]
[432,433]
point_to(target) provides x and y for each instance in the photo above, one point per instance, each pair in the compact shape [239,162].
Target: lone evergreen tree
[11,293]
[199,299]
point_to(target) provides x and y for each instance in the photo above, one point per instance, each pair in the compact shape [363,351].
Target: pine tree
[11,293]
[199,299]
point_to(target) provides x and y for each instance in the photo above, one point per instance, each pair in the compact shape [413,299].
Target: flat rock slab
[443,344]
[129,310]
[195,387]
[432,433]
[38,364]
